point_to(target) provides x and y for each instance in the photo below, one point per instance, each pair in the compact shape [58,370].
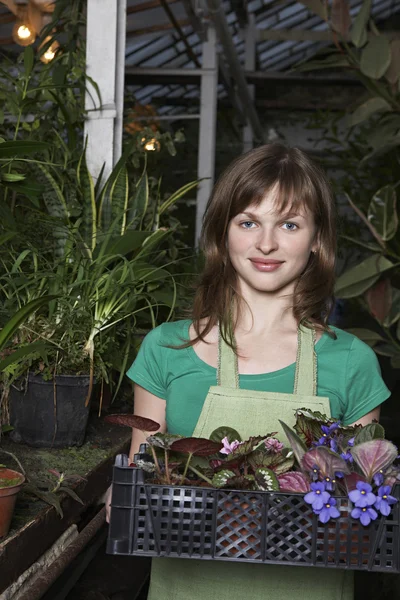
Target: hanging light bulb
[50,52]
[23,32]
[152,145]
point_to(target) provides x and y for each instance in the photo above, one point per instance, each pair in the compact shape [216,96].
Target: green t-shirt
[348,374]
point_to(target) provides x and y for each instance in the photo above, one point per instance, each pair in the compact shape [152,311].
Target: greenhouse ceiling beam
[151,75]
[143,6]
[217,16]
[105,37]
[308,35]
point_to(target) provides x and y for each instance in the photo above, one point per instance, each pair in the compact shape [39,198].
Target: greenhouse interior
[213,181]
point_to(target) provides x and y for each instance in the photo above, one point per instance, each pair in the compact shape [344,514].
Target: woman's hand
[107,501]
[149,406]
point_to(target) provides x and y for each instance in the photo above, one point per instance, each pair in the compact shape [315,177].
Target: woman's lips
[266,265]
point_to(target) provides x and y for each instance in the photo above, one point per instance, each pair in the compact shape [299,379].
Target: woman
[257,347]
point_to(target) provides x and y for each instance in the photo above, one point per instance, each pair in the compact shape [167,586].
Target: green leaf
[298,446]
[358,279]
[138,204]
[29,58]
[221,432]
[59,74]
[177,195]
[358,32]
[12,177]
[375,57]
[382,213]
[119,194]
[20,148]
[88,227]
[340,16]
[369,108]
[366,335]
[394,314]
[70,493]
[395,361]
[266,480]
[20,316]
[372,431]
[24,351]
[222,477]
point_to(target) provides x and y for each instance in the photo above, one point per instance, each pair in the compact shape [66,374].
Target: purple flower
[273,445]
[329,483]
[384,500]
[229,447]
[362,496]
[329,429]
[378,478]
[318,496]
[333,445]
[351,442]
[339,474]
[347,456]
[366,514]
[328,511]
[314,473]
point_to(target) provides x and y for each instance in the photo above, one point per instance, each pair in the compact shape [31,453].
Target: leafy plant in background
[368,153]
[104,251]
[324,458]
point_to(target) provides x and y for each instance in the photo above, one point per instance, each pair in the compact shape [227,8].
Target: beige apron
[252,413]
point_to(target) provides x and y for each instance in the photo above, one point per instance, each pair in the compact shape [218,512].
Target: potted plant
[101,249]
[257,500]
[11,482]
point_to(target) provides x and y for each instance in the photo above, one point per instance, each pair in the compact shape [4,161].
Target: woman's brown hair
[299,182]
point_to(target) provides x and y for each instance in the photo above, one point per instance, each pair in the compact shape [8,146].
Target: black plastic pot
[43,418]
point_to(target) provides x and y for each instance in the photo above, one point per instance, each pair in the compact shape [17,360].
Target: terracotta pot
[8,496]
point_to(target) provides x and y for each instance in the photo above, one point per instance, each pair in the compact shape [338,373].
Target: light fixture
[23,32]
[50,52]
[152,145]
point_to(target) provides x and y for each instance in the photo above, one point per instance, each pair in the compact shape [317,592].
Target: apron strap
[305,380]
[227,372]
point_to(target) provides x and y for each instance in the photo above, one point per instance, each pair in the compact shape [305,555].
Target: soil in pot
[10,484]
[50,414]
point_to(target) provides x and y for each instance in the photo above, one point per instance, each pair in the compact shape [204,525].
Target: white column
[105,23]
[249,65]
[208,121]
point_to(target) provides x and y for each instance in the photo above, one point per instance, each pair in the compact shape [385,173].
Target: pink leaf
[293,482]
[325,460]
[373,456]
[196,446]
[340,16]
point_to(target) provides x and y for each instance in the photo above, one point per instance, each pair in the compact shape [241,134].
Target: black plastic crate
[243,526]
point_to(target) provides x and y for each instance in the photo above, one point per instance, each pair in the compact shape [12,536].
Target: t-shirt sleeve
[365,388]
[149,368]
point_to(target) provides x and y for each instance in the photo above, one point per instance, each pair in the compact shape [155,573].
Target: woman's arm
[145,405]
[373,415]
[150,406]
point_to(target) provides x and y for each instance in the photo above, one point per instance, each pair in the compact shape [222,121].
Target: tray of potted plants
[330,498]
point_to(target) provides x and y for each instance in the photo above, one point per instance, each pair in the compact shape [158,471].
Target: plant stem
[200,475]
[157,464]
[166,458]
[16,460]
[186,468]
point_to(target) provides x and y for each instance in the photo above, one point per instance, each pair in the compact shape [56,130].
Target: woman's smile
[266,265]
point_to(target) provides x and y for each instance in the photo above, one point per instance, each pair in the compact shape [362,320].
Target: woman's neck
[263,314]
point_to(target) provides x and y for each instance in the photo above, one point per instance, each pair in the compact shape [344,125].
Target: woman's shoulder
[346,345]
[170,332]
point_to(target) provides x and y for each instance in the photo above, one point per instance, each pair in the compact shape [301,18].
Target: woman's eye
[247,224]
[290,226]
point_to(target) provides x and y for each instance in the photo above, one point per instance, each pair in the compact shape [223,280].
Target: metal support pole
[217,14]
[101,59]
[208,123]
[249,65]
[119,79]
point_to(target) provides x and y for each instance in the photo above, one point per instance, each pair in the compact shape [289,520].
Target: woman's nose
[266,241]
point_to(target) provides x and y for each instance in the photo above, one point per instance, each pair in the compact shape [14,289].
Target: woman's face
[270,250]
